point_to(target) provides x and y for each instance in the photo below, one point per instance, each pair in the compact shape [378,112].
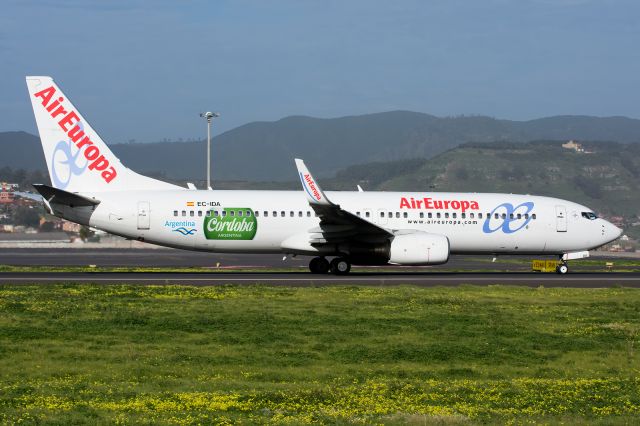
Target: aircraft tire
[340,266]
[319,265]
[562,269]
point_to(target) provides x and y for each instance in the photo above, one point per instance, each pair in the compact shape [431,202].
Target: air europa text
[429,203]
[70,124]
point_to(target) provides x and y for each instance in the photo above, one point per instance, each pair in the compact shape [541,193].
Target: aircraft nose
[611,231]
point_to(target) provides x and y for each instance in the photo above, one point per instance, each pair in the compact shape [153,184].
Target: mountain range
[264,151]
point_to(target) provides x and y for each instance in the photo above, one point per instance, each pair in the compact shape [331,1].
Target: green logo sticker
[233,224]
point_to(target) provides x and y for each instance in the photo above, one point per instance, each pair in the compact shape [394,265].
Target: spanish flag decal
[190,204]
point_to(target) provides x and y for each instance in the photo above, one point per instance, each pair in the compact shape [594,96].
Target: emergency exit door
[561,219]
[144,215]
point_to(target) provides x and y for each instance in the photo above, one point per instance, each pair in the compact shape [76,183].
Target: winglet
[312,189]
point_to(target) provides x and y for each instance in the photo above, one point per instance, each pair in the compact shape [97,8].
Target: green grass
[187,355]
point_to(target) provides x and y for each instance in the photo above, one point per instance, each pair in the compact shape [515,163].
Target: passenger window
[184,213]
[454,215]
[446,215]
[175,212]
[257,213]
[275,213]
[438,215]
[232,213]
[308,213]
[191,213]
[283,213]
[199,213]
[208,213]
[533,216]
[430,215]
[511,216]
[504,215]
[223,213]
[519,216]
[248,213]
[265,213]
[216,213]
[496,215]
[526,215]
[471,215]
[239,213]
[291,213]
[479,215]
[397,214]
[381,214]
[463,215]
[366,214]
[421,215]
[358,213]
[390,215]
[299,213]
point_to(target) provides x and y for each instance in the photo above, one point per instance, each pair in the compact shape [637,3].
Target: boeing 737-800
[92,187]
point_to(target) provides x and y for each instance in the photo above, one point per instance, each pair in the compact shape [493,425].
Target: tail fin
[77,158]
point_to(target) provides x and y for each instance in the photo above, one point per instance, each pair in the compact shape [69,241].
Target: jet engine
[419,248]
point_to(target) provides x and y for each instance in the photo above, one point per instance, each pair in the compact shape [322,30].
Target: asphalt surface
[183,258]
[429,279]
[225,270]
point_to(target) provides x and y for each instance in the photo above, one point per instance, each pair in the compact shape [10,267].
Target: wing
[336,225]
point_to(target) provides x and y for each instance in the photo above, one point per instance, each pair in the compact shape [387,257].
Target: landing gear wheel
[319,265]
[562,269]
[340,266]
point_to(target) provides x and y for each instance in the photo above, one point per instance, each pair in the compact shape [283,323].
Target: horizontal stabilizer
[59,196]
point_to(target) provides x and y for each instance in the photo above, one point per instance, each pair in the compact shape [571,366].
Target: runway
[428,279]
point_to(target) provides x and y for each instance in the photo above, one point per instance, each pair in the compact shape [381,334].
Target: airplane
[90,186]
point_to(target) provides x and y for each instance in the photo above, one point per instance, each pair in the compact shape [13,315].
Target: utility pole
[209,116]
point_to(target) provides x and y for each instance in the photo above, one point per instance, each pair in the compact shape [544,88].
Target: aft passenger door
[144,215]
[561,219]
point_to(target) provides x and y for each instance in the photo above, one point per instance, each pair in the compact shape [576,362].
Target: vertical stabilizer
[77,158]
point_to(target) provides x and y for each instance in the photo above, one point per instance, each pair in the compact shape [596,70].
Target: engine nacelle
[419,248]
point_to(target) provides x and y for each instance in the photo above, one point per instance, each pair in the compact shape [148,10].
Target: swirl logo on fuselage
[65,165]
[508,220]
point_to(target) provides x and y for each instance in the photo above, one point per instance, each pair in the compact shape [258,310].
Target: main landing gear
[338,266]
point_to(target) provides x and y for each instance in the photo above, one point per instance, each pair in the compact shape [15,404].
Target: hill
[606,179]
[263,151]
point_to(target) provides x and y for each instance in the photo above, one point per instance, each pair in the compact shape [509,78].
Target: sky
[144,70]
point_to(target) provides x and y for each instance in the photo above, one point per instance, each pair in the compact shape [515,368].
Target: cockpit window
[589,215]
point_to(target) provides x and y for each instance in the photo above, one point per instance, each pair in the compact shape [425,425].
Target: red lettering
[474,205]
[66,121]
[419,202]
[428,203]
[455,205]
[99,164]
[465,206]
[91,153]
[437,204]
[85,141]
[58,111]
[75,134]
[404,203]
[45,95]
[109,175]
[54,104]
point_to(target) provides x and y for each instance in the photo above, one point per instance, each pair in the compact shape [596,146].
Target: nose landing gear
[562,268]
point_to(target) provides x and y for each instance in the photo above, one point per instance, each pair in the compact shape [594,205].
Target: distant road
[579,280]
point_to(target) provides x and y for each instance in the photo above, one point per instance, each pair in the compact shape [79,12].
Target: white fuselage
[271,220]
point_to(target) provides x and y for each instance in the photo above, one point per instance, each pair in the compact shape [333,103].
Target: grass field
[186,355]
